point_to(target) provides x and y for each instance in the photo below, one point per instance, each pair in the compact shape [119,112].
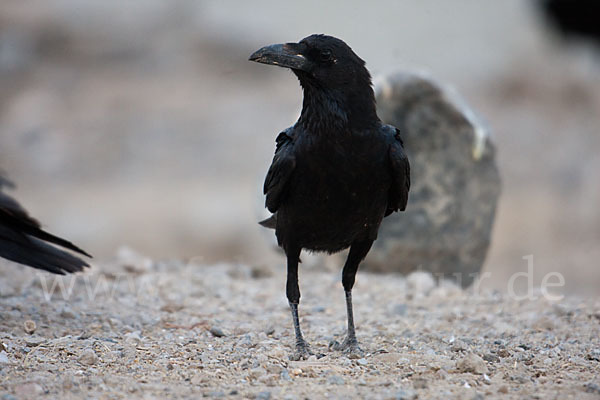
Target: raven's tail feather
[270,222]
[23,241]
[40,255]
[48,237]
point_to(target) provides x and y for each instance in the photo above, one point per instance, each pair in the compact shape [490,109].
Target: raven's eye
[326,55]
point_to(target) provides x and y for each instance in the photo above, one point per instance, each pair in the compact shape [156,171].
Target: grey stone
[133,338]
[472,363]
[34,341]
[88,357]
[491,358]
[216,331]
[67,313]
[455,183]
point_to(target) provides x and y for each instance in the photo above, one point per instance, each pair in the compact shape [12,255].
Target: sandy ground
[145,329]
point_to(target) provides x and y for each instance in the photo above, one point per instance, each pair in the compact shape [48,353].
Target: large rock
[447,225]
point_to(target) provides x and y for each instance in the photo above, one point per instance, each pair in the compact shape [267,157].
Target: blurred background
[142,123]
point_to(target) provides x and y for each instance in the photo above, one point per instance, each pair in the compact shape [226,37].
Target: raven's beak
[286,55]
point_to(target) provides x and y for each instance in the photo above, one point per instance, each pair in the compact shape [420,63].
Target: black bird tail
[270,222]
[48,237]
[23,241]
[35,253]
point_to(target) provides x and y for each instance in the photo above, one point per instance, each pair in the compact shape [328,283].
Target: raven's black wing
[280,171]
[23,241]
[400,170]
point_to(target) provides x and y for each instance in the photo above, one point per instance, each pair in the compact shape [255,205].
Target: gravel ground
[136,328]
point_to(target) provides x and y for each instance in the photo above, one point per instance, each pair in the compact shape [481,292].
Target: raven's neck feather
[327,111]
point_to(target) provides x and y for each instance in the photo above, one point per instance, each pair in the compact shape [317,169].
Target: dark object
[23,241]
[447,229]
[337,172]
[574,18]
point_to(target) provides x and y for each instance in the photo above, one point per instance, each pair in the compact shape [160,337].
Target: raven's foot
[302,351]
[349,347]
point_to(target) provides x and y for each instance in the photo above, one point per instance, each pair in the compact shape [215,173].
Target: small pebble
[269,330]
[88,357]
[472,363]
[491,358]
[133,338]
[67,313]
[29,326]
[217,332]
[34,341]
[362,361]
[503,353]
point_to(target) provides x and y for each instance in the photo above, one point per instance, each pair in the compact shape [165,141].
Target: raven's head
[324,60]
[328,70]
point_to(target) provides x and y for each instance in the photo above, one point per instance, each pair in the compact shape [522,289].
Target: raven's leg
[293,294]
[357,253]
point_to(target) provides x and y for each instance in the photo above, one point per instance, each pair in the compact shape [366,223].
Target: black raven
[337,172]
[23,241]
